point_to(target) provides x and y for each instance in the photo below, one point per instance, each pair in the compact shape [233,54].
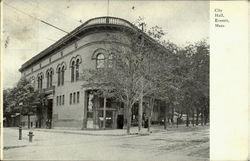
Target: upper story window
[100,61]
[49,75]
[40,80]
[61,73]
[75,68]
[59,76]
[73,71]
[48,79]
[110,60]
[103,58]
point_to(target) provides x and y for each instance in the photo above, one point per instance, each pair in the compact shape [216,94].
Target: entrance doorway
[110,118]
[49,114]
[120,120]
[100,115]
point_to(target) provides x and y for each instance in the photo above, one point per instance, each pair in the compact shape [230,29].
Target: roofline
[73,35]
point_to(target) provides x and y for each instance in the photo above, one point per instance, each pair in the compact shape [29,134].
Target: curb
[78,133]
[82,132]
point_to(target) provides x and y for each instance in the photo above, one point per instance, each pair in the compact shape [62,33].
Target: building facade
[56,72]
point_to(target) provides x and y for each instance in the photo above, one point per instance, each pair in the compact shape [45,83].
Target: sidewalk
[101,132]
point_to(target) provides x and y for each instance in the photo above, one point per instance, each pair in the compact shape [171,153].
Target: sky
[24,36]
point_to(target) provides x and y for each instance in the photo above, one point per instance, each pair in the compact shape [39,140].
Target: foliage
[150,68]
[20,98]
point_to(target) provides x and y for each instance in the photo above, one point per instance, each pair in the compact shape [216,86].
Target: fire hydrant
[20,132]
[30,136]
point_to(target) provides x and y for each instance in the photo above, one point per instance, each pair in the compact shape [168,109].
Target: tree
[21,98]
[7,105]
[195,86]
[147,68]
[133,74]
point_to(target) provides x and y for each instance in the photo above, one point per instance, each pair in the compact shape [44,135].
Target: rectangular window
[70,98]
[62,99]
[57,100]
[74,97]
[78,97]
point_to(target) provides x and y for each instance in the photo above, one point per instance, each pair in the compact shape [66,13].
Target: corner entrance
[102,113]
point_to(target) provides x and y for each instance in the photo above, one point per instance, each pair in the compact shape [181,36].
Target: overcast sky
[24,36]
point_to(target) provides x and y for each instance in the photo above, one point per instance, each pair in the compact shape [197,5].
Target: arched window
[48,79]
[51,78]
[72,71]
[62,75]
[59,76]
[100,59]
[77,69]
[110,60]
[40,80]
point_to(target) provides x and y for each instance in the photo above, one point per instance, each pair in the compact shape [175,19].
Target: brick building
[56,72]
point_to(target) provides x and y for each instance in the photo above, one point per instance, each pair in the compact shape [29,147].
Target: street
[174,144]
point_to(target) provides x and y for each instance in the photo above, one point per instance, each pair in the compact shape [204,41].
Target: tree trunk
[140,111]
[193,117]
[187,121]
[206,116]
[177,122]
[151,106]
[165,122]
[20,121]
[149,123]
[129,119]
[165,117]
[197,117]
[202,118]
[172,116]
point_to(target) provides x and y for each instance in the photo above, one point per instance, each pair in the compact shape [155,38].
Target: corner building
[56,72]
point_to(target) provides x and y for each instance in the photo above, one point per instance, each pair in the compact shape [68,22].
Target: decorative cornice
[113,22]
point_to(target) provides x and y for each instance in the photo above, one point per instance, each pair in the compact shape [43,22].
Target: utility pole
[140,109]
